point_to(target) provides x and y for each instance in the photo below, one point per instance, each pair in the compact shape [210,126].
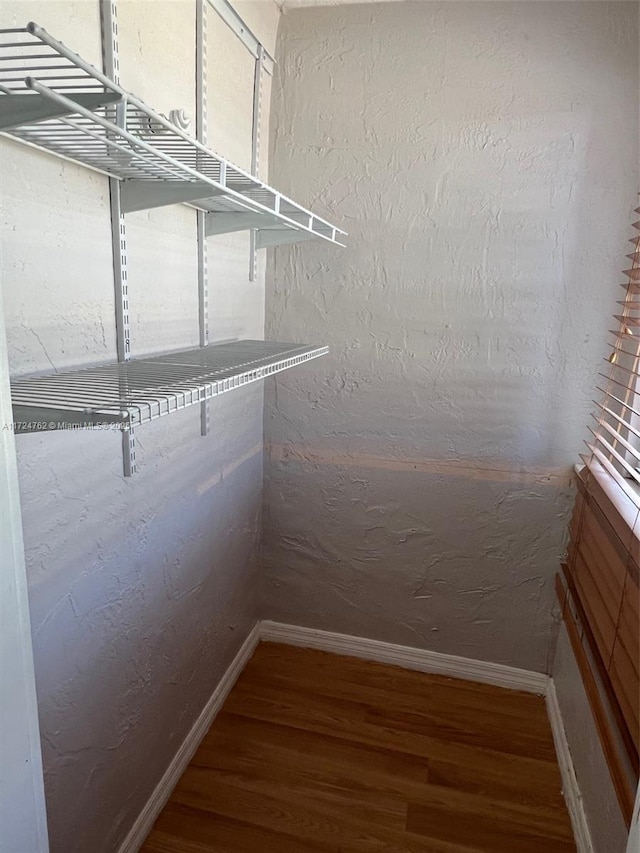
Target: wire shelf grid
[127,394]
[51,98]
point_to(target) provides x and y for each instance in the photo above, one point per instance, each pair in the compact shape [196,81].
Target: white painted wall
[606,824]
[23,819]
[484,158]
[141,590]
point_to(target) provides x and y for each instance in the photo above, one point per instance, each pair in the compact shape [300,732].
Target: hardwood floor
[317,752]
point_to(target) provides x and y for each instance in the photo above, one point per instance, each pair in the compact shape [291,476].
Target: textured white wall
[483,157]
[141,590]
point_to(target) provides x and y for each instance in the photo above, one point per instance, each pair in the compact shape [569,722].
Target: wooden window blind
[600,587]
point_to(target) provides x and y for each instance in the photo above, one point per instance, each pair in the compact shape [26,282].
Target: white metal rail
[111,66]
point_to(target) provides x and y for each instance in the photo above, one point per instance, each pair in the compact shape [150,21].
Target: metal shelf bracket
[227,223]
[233,20]
[270,237]
[143,195]
[17,110]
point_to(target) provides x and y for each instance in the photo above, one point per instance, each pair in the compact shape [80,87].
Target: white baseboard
[570,787]
[157,801]
[407,657]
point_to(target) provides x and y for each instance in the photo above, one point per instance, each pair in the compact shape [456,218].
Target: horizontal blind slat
[613,453]
[618,418]
[622,482]
[616,435]
[612,396]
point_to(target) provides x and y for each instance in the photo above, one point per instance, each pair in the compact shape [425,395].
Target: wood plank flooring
[317,752]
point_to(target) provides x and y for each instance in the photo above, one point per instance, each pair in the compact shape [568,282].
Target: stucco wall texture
[142,589]
[483,157]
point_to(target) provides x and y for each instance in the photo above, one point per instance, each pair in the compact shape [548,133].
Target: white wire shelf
[127,394]
[52,99]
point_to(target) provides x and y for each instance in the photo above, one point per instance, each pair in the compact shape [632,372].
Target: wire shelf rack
[52,99]
[127,394]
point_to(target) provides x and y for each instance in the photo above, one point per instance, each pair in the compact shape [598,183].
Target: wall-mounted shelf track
[126,394]
[51,98]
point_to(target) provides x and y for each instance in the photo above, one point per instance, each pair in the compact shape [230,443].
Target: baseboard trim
[570,787]
[162,792]
[407,657]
